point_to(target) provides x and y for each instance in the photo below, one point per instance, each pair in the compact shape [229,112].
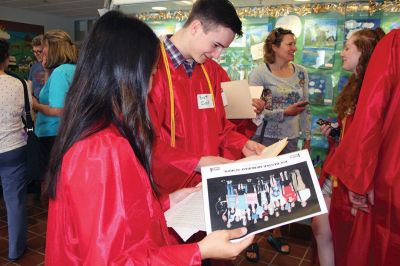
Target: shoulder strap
[29,122]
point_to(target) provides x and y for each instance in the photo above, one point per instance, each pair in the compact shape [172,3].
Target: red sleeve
[116,218]
[355,160]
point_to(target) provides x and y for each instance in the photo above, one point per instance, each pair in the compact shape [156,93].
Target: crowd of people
[126,134]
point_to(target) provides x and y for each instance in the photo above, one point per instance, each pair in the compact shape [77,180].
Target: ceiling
[88,8]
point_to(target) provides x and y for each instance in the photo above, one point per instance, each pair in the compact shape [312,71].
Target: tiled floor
[37,219]
[301,252]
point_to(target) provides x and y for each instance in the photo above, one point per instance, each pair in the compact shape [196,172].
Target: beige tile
[286,260]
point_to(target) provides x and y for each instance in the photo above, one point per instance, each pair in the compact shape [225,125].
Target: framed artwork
[342,81]
[320,33]
[20,36]
[163,28]
[236,62]
[390,22]
[318,58]
[257,33]
[353,25]
[320,89]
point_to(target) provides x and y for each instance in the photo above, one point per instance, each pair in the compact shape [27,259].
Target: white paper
[187,216]
[256,91]
[269,152]
[231,193]
[239,100]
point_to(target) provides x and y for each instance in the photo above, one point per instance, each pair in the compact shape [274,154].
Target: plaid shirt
[177,57]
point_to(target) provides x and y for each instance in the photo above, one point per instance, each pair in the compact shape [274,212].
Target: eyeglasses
[37,51]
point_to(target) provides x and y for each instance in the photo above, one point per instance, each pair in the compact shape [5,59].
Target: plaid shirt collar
[176,56]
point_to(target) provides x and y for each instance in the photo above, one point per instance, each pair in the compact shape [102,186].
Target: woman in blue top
[59,58]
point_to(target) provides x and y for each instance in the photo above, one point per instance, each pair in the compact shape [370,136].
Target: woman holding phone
[286,114]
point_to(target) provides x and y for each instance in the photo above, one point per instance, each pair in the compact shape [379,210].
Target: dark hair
[213,13]
[110,86]
[275,37]
[37,40]
[365,40]
[4,50]
[61,49]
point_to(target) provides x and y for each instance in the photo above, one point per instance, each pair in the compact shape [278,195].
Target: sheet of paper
[239,100]
[269,152]
[256,91]
[187,217]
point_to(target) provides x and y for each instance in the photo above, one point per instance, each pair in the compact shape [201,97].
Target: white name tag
[204,101]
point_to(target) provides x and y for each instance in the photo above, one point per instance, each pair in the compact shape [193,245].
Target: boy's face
[211,44]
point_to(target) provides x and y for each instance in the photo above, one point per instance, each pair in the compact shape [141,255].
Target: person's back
[13,176]
[11,110]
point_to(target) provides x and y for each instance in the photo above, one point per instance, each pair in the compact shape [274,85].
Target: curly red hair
[365,40]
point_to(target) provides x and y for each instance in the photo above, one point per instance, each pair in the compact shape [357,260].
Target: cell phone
[304,104]
[322,122]
[335,131]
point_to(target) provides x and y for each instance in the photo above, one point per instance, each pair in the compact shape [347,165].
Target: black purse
[34,154]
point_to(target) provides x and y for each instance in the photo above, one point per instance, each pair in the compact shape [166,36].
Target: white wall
[48,21]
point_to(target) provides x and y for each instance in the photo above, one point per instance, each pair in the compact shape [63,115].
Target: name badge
[204,101]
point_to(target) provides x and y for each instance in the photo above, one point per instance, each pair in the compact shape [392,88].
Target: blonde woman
[59,58]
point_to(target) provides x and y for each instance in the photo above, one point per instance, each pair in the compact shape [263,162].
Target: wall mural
[20,36]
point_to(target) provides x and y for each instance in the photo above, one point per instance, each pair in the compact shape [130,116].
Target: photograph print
[263,194]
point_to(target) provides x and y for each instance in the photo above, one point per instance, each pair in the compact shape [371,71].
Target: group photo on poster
[261,194]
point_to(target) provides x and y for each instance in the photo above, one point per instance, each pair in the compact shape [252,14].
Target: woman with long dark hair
[104,207]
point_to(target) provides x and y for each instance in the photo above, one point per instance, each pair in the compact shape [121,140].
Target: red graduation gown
[199,132]
[105,212]
[340,218]
[370,157]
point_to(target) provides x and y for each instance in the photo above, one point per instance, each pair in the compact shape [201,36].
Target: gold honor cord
[334,178]
[171,91]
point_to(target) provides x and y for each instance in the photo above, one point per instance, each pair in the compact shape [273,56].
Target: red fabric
[199,132]
[105,212]
[369,157]
[340,219]
[245,127]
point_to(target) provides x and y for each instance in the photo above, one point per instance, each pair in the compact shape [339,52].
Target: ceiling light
[159,8]
[189,3]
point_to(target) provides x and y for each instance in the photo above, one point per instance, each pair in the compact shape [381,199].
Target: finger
[199,184]
[236,233]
